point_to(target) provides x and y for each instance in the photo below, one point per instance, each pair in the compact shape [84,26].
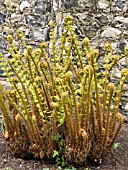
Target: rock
[111,32]
[7,30]
[59,18]
[126,95]
[71,3]
[2,18]
[125,117]
[103,4]
[5,84]
[80,15]
[121,19]
[125,87]
[1,28]
[124,63]
[125,9]
[126,107]
[43,6]
[103,19]
[125,34]
[38,36]
[24,5]
[49,7]
[1,2]
[15,17]
[114,45]
[55,5]
[3,45]
[122,45]
[116,73]
[9,4]
[124,98]
[120,4]
[85,3]
[35,21]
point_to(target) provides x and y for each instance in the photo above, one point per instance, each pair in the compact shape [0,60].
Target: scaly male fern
[58,90]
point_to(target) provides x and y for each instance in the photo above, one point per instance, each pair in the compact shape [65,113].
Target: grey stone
[1,2]
[70,3]
[15,17]
[125,117]
[124,99]
[1,29]
[123,62]
[121,19]
[111,32]
[125,33]
[114,45]
[35,20]
[55,5]
[126,107]
[122,45]
[116,73]
[9,4]
[121,3]
[43,6]
[24,5]
[85,3]
[103,4]
[125,87]
[126,95]
[3,45]
[38,36]
[7,30]
[2,18]
[5,84]
[103,19]
[59,18]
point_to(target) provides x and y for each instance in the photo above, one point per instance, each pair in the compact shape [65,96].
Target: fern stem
[76,108]
[120,118]
[110,93]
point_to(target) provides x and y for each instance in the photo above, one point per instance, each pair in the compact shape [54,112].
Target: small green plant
[58,154]
[59,105]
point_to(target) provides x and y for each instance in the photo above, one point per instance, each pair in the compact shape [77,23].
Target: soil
[117,160]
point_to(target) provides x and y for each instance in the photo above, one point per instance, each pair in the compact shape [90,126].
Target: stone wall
[100,20]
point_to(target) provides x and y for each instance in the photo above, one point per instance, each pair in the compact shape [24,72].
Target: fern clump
[58,91]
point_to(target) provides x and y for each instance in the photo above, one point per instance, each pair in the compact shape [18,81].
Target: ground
[118,160]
